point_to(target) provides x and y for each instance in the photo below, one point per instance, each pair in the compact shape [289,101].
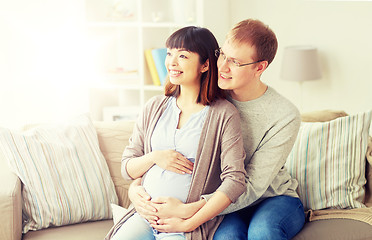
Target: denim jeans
[280,217]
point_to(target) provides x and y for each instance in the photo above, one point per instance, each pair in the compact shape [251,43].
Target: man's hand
[173,225]
[141,201]
[168,207]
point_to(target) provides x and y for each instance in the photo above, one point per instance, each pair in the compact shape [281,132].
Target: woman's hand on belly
[173,161]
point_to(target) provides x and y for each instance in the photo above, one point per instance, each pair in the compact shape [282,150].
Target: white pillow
[65,176]
[328,160]
[118,212]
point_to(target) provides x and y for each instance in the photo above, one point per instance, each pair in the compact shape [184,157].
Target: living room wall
[44,61]
[46,65]
[341,30]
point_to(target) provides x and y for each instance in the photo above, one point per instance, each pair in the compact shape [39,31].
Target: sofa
[112,139]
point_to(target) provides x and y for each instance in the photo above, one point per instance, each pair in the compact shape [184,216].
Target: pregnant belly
[162,183]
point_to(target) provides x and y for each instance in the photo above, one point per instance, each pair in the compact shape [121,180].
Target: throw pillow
[368,200]
[65,176]
[328,161]
[118,213]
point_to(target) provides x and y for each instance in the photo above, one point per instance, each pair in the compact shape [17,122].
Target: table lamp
[300,63]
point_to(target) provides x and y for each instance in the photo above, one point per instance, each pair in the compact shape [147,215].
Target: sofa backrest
[368,199]
[113,137]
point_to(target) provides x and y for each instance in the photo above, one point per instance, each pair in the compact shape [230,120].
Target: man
[270,207]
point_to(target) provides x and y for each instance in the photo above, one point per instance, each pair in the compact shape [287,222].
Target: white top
[160,182]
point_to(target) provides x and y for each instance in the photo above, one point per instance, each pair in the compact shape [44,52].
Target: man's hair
[257,34]
[201,41]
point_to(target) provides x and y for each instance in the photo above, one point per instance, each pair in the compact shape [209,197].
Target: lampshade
[300,63]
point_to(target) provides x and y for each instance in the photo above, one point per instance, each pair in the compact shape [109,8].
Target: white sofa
[113,137]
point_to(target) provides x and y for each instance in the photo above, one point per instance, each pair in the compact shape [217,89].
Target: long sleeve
[232,157]
[269,126]
[266,176]
[219,163]
[220,158]
[139,143]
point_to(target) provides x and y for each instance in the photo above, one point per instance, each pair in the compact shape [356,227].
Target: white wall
[43,62]
[47,61]
[342,31]
[217,18]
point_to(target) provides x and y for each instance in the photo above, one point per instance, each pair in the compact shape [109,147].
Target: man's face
[230,76]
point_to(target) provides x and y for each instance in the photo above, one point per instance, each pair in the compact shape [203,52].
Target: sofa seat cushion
[335,229]
[88,230]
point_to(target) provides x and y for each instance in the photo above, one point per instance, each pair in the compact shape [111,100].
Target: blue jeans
[137,228]
[280,217]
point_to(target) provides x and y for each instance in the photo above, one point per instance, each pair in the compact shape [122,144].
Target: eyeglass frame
[217,53]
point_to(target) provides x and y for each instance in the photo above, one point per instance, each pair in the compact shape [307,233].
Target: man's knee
[231,227]
[265,231]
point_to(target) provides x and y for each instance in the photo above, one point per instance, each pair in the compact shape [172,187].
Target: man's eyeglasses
[219,53]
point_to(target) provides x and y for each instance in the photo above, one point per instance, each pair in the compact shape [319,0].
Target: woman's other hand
[141,201]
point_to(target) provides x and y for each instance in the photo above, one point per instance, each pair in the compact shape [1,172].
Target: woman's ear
[205,66]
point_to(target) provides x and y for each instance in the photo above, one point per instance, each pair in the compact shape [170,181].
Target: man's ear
[205,66]
[261,67]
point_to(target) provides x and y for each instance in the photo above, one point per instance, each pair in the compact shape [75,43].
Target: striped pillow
[328,160]
[65,176]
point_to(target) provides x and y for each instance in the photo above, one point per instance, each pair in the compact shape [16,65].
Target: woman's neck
[187,103]
[188,97]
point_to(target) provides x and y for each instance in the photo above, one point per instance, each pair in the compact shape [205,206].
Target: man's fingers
[151,221]
[160,228]
[161,221]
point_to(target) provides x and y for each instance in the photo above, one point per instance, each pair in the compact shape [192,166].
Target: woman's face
[183,67]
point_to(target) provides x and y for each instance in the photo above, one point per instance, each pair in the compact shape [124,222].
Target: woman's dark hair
[201,41]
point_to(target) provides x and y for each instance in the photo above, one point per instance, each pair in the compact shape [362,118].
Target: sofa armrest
[10,204]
